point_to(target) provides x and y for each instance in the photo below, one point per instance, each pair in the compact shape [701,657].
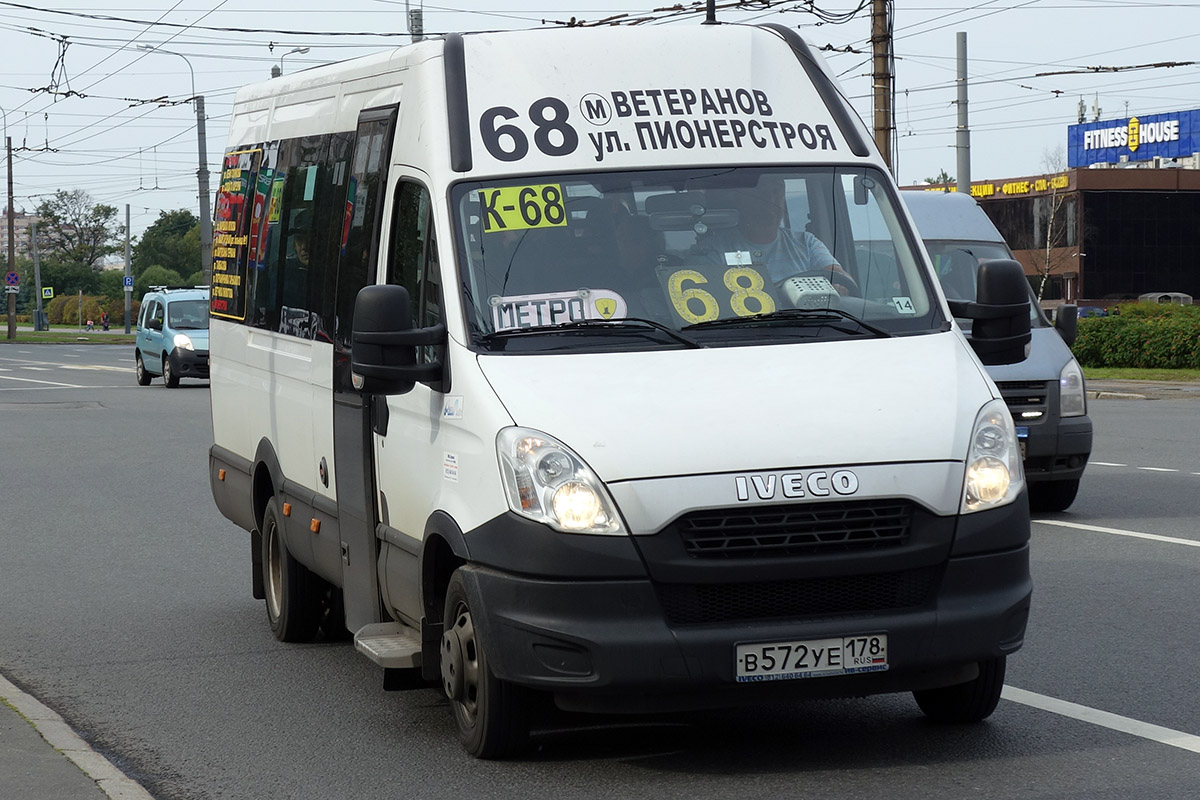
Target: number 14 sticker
[904,305]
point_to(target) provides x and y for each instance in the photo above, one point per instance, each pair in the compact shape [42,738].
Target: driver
[760,234]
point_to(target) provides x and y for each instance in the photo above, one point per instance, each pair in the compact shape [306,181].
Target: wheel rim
[166,371]
[274,571]
[141,368]
[461,670]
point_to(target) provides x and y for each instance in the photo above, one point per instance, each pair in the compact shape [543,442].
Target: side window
[413,257]
[156,314]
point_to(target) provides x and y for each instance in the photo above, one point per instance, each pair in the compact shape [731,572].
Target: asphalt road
[126,608]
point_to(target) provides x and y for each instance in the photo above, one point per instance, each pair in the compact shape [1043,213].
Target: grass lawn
[1130,374]
[68,334]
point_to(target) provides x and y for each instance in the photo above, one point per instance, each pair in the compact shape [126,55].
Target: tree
[156,276]
[1048,220]
[172,242]
[943,178]
[78,231]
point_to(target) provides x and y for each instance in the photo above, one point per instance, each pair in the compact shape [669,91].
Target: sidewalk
[41,758]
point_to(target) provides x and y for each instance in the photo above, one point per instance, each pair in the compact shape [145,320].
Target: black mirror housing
[1066,322]
[1000,314]
[384,344]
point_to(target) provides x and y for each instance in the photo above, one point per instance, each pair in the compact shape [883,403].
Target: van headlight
[546,482]
[1072,398]
[994,474]
[183,342]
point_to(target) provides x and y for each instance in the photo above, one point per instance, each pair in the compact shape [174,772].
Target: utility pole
[206,232]
[128,272]
[12,242]
[962,132]
[881,78]
[37,278]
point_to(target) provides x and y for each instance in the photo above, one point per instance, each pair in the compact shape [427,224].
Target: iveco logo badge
[791,485]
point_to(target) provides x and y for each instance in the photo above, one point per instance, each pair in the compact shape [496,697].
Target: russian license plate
[778,661]
[1022,438]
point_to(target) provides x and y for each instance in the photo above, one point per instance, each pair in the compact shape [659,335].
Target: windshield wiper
[623,323]
[818,315]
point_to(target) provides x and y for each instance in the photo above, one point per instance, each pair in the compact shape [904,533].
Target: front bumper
[189,363]
[628,640]
[1058,450]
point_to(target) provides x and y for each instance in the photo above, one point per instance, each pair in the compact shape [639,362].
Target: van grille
[792,530]
[1027,400]
[712,603]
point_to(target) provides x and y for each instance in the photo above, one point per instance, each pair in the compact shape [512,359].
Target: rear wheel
[491,714]
[293,594]
[966,702]
[1052,495]
[143,377]
[170,379]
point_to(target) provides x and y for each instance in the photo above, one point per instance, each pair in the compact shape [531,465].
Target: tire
[293,594]
[491,715]
[170,379]
[1052,495]
[143,377]
[972,701]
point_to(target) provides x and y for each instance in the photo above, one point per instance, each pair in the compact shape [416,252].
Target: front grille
[795,530]
[1027,400]
[711,603]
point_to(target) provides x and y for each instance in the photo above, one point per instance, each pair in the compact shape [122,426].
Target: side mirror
[1066,322]
[384,344]
[1000,313]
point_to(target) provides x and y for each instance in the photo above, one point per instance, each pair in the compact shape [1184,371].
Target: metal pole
[12,242]
[881,79]
[37,277]
[963,132]
[128,272]
[206,232]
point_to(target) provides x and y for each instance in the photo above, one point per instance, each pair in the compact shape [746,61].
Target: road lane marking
[1118,532]
[1105,719]
[1107,464]
[97,367]
[1158,469]
[43,383]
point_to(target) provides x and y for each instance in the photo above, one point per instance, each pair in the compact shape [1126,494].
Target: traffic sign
[11,289]
[127,282]
[47,292]
[12,279]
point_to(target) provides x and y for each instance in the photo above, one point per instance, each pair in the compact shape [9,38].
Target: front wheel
[491,714]
[143,377]
[1052,495]
[170,379]
[966,702]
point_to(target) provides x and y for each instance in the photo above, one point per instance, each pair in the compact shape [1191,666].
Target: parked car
[1045,392]
[172,335]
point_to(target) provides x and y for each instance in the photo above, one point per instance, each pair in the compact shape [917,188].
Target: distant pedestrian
[91,325]
[104,320]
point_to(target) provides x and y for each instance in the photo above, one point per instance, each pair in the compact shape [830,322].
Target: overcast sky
[80,98]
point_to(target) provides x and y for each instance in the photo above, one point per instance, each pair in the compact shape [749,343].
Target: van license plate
[778,661]
[1022,438]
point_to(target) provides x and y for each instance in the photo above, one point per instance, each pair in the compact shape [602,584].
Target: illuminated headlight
[546,482]
[994,474]
[183,342]
[1072,399]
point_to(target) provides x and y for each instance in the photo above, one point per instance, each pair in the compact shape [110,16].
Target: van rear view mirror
[1000,313]
[1066,322]
[384,344]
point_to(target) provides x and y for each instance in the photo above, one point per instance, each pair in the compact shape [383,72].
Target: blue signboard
[1170,135]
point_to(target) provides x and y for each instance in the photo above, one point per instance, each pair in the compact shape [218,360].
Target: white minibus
[544,363]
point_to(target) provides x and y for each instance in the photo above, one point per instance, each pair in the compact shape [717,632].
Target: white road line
[37,369]
[1158,469]
[1144,730]
[1106,464]
[97,367]
[43,383]
[1118,532]
[54,729]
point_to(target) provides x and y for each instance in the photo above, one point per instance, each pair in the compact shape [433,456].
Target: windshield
[957,265]
[188,314]
[687,249]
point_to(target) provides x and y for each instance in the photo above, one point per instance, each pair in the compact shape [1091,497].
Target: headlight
[546,482]
[183,342]
[1072,399]
[994,474]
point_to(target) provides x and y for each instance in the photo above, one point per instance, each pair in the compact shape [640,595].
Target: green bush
[1144,335]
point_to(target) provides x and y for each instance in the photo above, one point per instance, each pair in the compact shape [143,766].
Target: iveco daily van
[1045,392]
[546,363]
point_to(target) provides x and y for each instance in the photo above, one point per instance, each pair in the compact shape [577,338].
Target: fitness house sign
[1170,135]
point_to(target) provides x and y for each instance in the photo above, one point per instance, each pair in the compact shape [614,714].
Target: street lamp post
[12,255]
[206,234]
[288,53]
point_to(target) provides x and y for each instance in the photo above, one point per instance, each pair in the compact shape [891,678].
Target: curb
[58,734]
[1104,395]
